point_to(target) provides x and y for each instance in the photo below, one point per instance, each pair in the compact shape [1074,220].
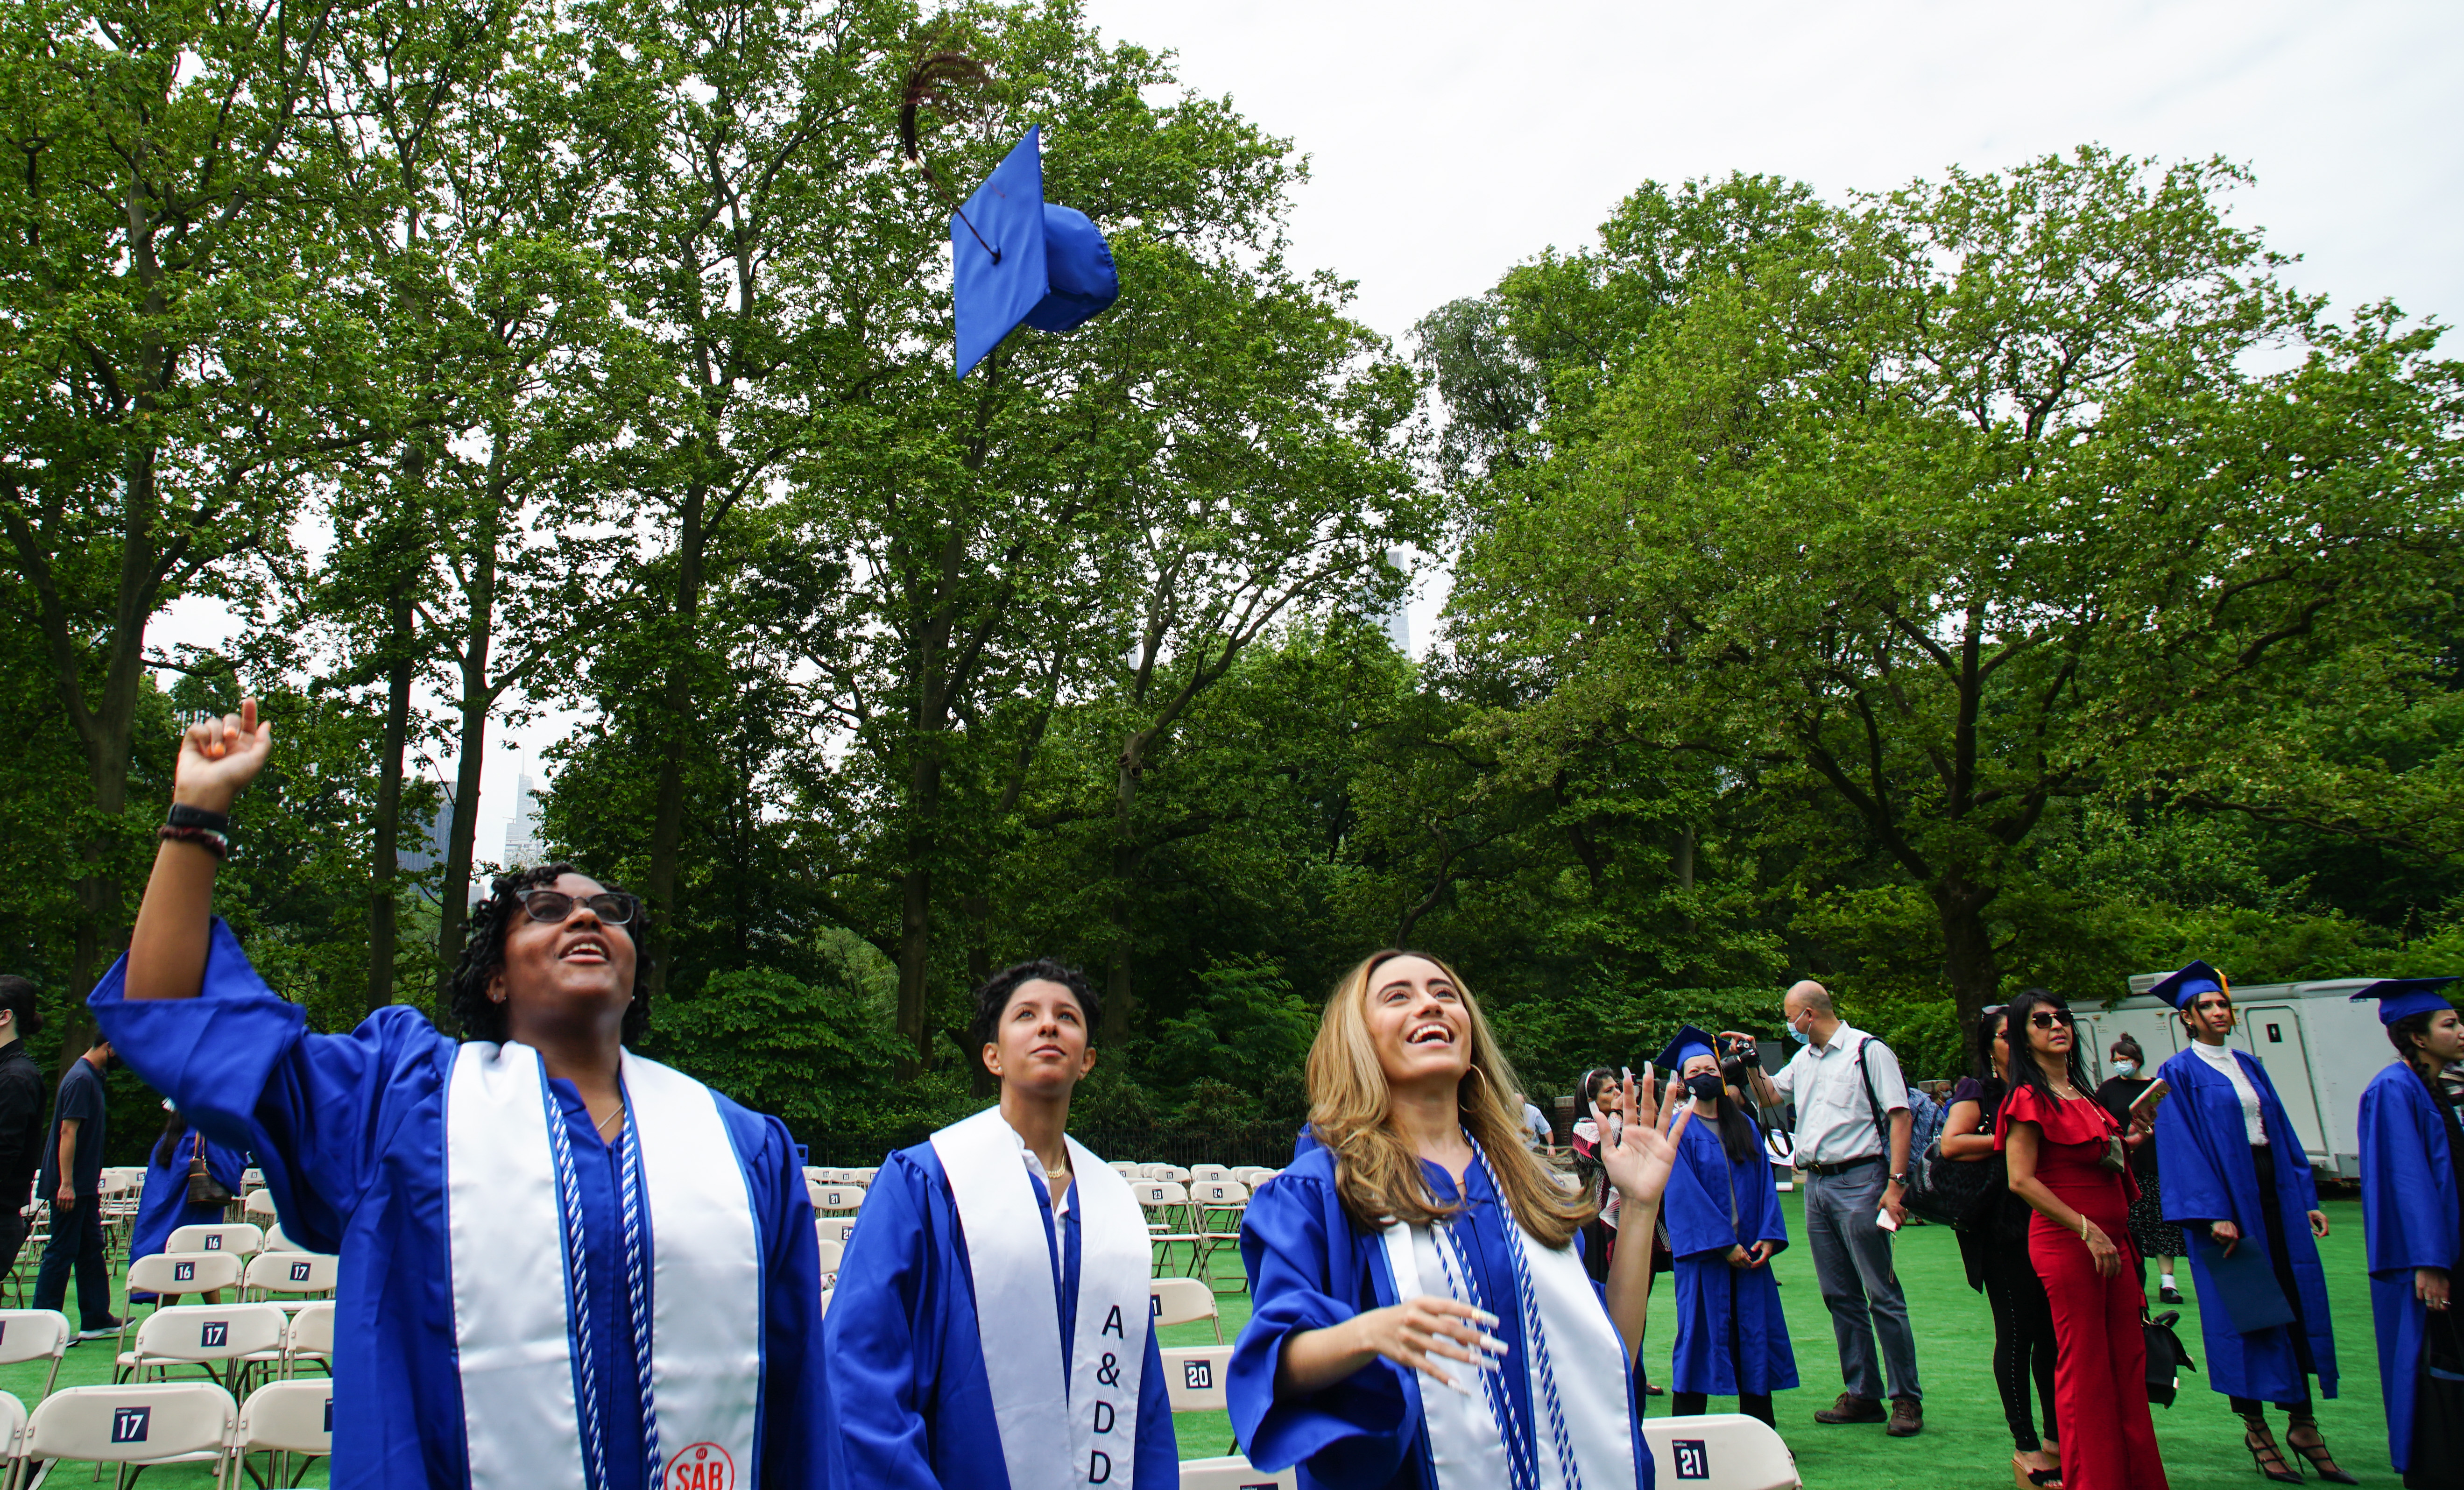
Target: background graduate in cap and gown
[2412,1209]
[990,1326]
[1725,1224]
[2238,1183]
[563,1267]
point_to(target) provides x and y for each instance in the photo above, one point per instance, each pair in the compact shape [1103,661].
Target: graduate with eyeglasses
[990,1329]
[2412,1213]
[564,1267]
[2238,1181]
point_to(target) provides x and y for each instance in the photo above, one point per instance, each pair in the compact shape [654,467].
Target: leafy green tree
[1974,509]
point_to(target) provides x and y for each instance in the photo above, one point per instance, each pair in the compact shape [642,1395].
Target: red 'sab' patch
[701,1466]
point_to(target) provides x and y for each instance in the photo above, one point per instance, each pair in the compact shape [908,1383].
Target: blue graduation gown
[1730,1335]
[1310,1268]
[912,1407]
[164,1207]
[350,1131]
[2203,1150]
[2408,1210]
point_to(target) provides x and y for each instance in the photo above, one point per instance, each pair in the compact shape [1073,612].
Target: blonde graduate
[1405,1071]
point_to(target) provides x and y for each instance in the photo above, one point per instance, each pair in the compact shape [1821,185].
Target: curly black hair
[992,999]
[483,955]
[2026,1070]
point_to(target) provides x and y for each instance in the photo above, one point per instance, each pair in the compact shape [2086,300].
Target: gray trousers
[1852,1261]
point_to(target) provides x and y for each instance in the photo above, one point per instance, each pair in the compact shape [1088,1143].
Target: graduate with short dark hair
[990,1328]
[564,1267]
[2237,1180]
[2412,1204]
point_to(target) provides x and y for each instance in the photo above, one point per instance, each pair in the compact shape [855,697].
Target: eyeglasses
[2047,1018]
[555,905]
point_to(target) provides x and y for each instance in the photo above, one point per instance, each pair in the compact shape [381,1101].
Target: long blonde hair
[1377,1175]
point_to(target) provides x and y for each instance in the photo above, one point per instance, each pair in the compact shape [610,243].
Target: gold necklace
[1050,1173]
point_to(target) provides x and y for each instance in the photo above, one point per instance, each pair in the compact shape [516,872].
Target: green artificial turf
[1965,1443]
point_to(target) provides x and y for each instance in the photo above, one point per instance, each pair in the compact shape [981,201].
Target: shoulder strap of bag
[1881,1133]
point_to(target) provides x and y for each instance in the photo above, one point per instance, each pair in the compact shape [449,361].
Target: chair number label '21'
[1693,1458]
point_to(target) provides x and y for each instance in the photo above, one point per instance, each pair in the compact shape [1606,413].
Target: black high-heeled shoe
[2263,1452]
[2321,1462]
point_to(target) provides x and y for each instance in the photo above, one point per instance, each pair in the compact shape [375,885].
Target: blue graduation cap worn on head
[1022,260]
[2179,989]
[2402,998]
[1688,1044]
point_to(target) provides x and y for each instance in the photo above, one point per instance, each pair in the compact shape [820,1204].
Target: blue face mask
[1799,1036]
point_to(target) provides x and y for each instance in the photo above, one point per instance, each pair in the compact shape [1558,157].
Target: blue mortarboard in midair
[1688,1044]
[1022,260]
[2402,998]
[2178,989]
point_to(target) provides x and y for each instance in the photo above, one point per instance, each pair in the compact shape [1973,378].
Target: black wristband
[184,815]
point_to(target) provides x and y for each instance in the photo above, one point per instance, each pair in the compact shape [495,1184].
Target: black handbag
[203,1187]
[2436,1460]
[2165,1355]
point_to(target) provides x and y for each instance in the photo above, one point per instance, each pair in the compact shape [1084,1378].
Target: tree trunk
[668,819]
[1968,953]
[386,852]
[1118,991]
[1685,857]
[916,902]
[469,742]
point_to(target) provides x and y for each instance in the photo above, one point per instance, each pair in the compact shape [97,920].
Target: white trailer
[2318,1046]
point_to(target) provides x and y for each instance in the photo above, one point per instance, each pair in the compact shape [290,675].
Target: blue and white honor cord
[577,1266]
[1522,1463]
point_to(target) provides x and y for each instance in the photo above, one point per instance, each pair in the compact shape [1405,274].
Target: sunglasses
[2047,1018]
[555,905]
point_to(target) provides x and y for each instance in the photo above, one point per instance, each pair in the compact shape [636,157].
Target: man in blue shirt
[72,1181]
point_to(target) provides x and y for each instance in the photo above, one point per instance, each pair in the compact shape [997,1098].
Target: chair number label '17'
[1693,1458]
[300,1272]
[129,1424]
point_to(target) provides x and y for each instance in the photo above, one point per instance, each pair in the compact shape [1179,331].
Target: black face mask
[1705,1088]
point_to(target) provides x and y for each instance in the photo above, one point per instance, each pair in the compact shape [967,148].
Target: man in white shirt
[1536,1132]
[1852,1141]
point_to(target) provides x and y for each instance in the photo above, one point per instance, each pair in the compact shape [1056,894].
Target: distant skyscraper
[522,833]
[1397,620]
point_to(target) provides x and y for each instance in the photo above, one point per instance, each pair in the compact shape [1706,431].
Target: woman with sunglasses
[1993,1244]
[2065,1157]
[562,1265]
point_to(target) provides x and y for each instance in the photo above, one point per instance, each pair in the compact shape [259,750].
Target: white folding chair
[153,1422]
[830,1252]
[297,1275]
[837,1198]
[1215,1207]
[1193,1377]
[1232,1472]
[286,1418]
[1182,1301]
[832,1228]
[238,1239]
[12,1437]
[259,1202]
[1127,1168]
[275,1242]
[863,1176]
[34,1336]
[1204,1172]
[223,1338]
[1721,1451]
[1166,1204]
[310,1338]
[173,1274]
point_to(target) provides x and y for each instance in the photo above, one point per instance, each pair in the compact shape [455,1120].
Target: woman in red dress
[2064,1155]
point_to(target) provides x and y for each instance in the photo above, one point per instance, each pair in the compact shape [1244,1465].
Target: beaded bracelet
[207,839]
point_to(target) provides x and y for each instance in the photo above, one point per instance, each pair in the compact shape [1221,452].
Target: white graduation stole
[1018,1317]
[1595,1404]
[512,1324]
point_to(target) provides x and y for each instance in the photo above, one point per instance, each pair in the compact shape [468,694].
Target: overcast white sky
[1450,141]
